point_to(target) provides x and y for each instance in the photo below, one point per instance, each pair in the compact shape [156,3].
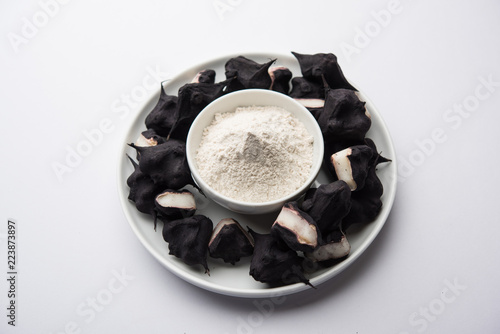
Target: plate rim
[252,292]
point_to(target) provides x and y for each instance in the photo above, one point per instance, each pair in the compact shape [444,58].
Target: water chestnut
[247,74]
[273,262]
[142,190]
[344,116]
[192,98]
[303,88]
[317,66]
[188,239]
[166,164]
[280,79]
[367,202]
[296,228]
[351,165]
[230,242]
[163,116]
[175,204]
[328,204]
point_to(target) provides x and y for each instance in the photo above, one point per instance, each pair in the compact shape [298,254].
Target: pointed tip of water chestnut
[382,159]
[376,154]
[135,164]
[139,149]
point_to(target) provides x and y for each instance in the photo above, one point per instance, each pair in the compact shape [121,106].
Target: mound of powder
[255,154]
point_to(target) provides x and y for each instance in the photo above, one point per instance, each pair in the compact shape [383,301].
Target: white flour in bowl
[255,154]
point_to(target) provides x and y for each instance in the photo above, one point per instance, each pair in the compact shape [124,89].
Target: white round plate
[235,280]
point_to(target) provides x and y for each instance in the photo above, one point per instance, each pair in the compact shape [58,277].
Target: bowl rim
[315,167]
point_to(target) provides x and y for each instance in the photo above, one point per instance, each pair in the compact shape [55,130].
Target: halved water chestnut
[296,228]
[230,242]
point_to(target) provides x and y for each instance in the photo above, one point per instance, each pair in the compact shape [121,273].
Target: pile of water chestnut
[309,230]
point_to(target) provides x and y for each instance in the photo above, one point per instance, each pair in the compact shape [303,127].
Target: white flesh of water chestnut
[343,169]
[331,251]
[145,142]
[311,103]
[177,200]
[291,220]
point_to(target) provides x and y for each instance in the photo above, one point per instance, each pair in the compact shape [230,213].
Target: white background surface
[72,73]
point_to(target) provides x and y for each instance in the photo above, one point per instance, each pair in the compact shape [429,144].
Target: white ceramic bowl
[243,98]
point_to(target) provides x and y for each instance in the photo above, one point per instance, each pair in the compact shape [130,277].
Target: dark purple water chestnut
[163,116]
[192,98]
[334,146]
[175,204]
[344,116]
[274,263]
[142,190]
[303,88]
[367,202]
[166,164]
[328,204]
[351,165]
[280,79]
[334,248]
[247,74]
[315,67]
[230,242]
[204,76]
[188,239]
[296,228]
